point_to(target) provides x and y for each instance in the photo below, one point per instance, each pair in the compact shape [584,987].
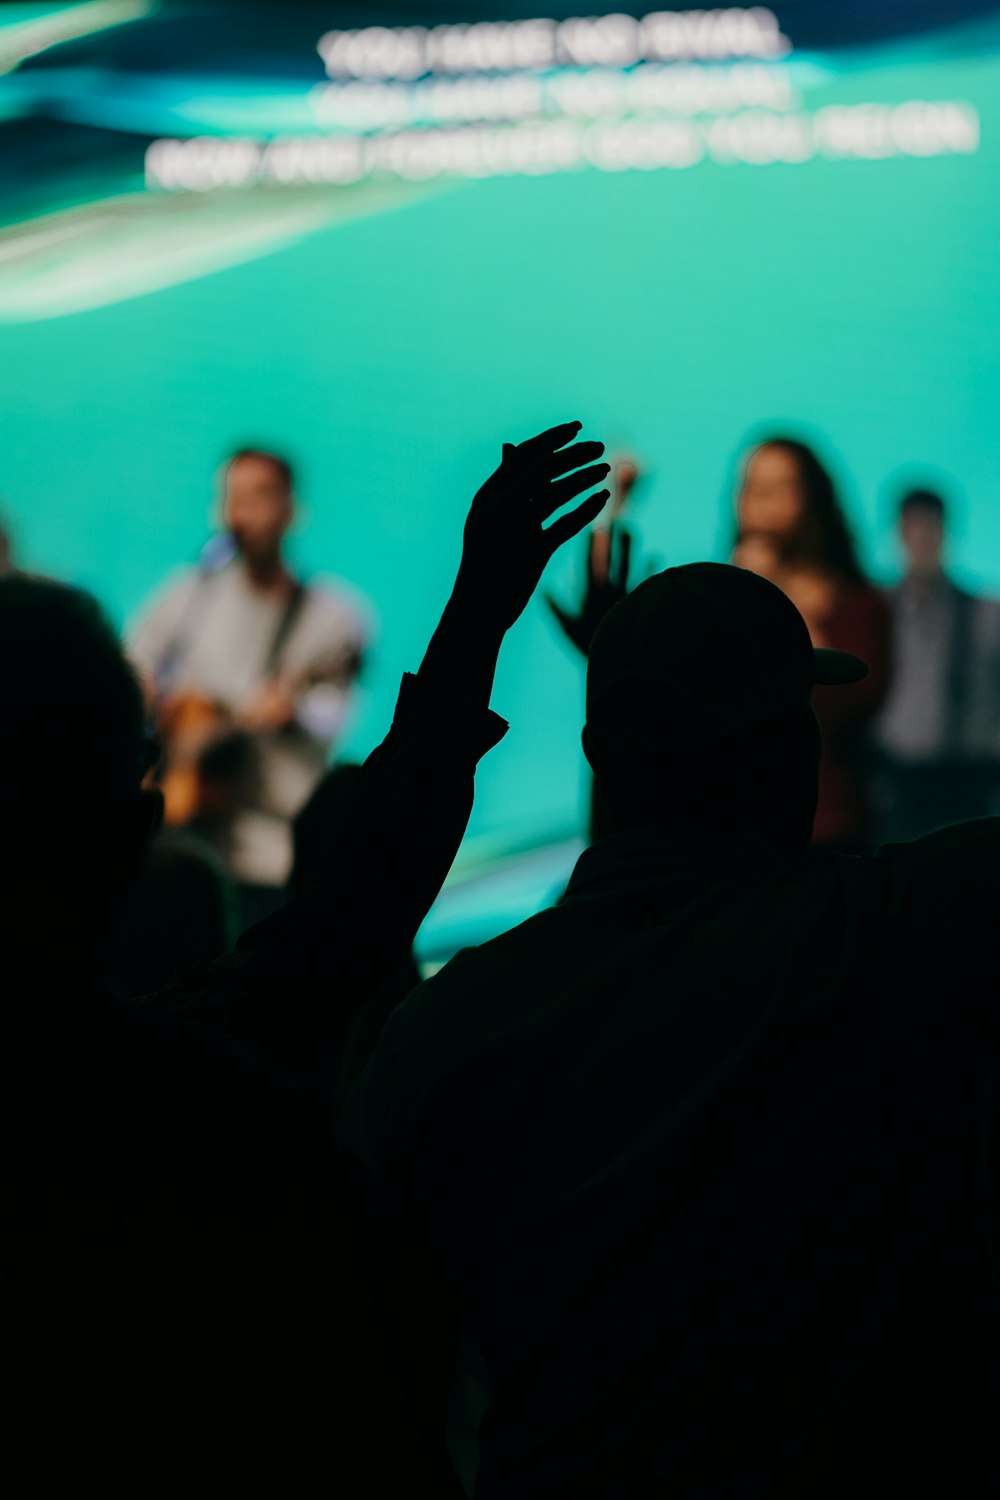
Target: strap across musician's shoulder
[205,582]
[287,623]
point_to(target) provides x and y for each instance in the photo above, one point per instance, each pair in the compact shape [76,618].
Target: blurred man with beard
[249,672]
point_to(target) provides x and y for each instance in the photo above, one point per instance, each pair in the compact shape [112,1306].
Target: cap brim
[837,668]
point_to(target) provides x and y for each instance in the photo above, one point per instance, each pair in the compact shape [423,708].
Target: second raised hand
[506,544]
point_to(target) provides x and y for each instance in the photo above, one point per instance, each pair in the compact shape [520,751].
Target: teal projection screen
[385,239]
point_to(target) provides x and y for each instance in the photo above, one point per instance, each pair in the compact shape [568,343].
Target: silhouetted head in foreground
[72,756]
[182,911]
[699,717]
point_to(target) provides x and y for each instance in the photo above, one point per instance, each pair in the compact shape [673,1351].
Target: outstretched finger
[533,481]
[574,521]
[548,441]
[561,491]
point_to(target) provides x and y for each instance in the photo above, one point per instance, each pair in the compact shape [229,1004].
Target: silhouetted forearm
[461,658]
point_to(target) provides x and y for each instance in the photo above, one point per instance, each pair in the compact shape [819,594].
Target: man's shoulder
[479,989]
[947,877]
[183,581]
[332,606]
[328,596]
[173,594]
[987,614]
[478,1001]
[487,964]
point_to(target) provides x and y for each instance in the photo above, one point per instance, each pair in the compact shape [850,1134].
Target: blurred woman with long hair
[791,528]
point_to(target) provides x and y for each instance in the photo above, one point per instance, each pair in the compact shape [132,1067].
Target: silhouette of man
[697,1165]
[175,1248]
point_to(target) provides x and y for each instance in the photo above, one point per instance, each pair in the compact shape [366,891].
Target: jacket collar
[642,855]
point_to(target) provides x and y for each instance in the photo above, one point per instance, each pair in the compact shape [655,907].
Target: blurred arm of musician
[249,674]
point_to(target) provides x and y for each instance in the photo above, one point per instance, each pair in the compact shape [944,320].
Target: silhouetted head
[921,530]
[698,707]
[258,503]
[182,911]
[72,756]
[787,495]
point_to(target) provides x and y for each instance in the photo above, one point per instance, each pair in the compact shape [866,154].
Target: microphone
[217,552]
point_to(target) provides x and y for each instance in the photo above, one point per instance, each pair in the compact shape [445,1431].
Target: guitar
[206,747]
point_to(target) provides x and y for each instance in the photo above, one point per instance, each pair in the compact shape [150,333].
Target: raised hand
[506,544]
[627,476]
[607,581]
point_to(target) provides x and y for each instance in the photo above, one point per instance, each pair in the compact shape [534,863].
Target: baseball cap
[725,649]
